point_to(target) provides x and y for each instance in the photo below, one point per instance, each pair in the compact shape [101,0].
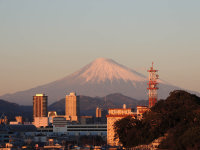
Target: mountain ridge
[87,105]
[98,78]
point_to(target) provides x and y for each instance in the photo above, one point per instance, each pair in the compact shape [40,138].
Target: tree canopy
[178,116]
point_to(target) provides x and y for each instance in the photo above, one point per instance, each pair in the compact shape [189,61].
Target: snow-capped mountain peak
[103,69]
[99,78]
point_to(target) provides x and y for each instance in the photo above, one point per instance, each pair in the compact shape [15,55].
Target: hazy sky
[45,40]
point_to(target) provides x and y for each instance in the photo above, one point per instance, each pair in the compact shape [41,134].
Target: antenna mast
[152,86]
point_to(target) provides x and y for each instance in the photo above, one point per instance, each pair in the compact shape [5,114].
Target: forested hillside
[178,117]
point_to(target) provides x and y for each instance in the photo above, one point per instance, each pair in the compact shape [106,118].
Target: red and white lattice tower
[152,86]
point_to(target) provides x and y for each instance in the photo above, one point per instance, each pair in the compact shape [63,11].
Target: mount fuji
[99,78]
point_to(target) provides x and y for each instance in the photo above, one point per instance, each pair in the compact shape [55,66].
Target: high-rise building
[72,108]
[39,105]
[98,112]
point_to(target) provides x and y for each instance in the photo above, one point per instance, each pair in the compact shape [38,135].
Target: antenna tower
[152,86]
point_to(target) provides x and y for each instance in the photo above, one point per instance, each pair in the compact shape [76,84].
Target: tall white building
[72,108]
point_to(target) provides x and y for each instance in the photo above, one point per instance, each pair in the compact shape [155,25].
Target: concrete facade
[41,121]
[72,109]
[40,103]
[113,116]
[98,112]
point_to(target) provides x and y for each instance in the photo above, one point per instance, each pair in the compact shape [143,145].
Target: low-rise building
[63,126]
[141,110]
[19,119]
[51,115]
[41,121]
[87,129]
[60,124]
[114,115]
[86,120]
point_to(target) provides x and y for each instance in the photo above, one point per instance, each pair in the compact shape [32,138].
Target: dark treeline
[178,117]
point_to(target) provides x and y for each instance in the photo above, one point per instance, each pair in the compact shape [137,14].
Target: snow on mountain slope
[103,69]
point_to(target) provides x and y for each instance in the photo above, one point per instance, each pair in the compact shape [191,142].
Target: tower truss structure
[152,86]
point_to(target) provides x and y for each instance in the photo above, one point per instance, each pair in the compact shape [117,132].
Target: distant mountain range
[12,109]
[88,105]
[99,78]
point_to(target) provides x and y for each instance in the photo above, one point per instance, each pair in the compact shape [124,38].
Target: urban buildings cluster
[41,116]
[48,126]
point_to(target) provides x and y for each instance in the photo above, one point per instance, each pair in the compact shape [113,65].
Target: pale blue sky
[44,40]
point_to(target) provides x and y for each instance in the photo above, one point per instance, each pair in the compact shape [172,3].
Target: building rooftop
[72,93]
[40,94]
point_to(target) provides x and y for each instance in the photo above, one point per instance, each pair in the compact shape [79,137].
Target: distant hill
[99,78]
[8,106]
[88,104]
[12,109]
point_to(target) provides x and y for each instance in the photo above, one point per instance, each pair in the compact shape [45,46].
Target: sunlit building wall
[40,105]
[114,115]
[72,108]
